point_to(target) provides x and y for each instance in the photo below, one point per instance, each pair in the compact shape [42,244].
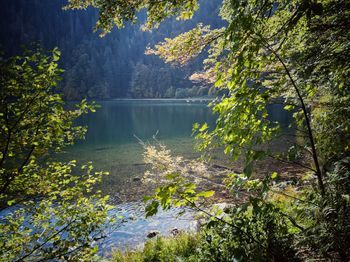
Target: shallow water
[133,232]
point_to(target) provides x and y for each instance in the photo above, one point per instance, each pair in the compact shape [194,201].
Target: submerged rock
[175,232]
[136,179]
[139,164]
[152,234]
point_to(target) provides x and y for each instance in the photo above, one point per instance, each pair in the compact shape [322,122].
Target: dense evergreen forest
[111,67]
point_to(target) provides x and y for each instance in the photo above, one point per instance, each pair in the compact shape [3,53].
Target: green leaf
[203,127]
[11,202]
[274,175]
[152,208]
[172,176]
[206,194]
[289,107]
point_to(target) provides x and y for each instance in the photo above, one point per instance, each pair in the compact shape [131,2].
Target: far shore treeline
[102,68]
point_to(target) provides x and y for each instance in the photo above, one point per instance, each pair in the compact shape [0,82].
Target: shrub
[258,233]
[329,234]
[48,209]
[203,91]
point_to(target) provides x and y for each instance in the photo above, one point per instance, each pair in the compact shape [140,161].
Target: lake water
[111,143]
[112,146]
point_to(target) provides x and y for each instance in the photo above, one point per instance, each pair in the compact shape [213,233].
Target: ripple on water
[133,232]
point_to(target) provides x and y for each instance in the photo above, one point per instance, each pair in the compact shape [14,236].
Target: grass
[183,247]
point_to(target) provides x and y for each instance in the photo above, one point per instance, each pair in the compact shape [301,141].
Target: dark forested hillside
[114,66]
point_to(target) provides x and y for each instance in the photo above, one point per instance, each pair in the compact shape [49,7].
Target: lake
[111,143]
[114,129]
[112,146]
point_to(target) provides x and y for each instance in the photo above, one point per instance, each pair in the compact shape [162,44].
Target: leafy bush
[259,233]
[271,221]
[329,234]
[48,210]
[170,92]
[203,91]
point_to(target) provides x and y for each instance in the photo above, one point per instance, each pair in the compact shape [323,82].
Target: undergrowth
[183,247]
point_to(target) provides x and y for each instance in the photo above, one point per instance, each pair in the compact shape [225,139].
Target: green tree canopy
[117,13]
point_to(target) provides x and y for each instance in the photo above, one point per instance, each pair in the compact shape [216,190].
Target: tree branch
[45,242]
[307,120]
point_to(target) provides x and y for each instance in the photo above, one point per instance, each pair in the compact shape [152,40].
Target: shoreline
[189,99]
[163,99]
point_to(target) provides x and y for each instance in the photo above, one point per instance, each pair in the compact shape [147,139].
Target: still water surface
[111,143]
[116,122]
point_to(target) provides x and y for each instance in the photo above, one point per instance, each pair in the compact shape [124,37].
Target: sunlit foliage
[117,13]
[48,208]
[177,179]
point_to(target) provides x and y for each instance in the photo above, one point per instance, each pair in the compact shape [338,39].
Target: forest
[100,68]
[260,167]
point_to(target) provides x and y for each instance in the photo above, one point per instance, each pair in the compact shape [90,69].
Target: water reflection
[116,122]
